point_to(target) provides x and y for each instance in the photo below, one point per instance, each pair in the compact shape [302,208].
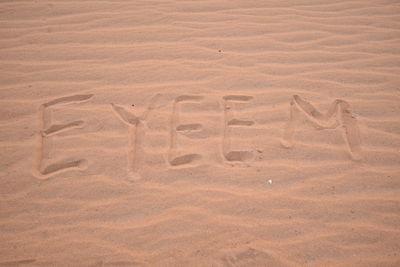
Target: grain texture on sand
[200,133]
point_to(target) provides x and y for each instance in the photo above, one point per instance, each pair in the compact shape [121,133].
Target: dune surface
[200,133]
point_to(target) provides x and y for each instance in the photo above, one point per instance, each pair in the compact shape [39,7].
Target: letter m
[337,116]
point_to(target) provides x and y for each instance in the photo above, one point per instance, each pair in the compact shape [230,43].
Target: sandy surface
[200,133]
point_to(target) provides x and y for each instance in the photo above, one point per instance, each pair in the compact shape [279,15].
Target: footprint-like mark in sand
[48,130]
[173,158]
[137,126]
[229,122]
[338,114]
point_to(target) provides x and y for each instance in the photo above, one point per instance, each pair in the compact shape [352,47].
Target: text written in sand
[338,116]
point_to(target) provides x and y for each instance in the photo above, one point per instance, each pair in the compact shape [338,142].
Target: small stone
[269,181]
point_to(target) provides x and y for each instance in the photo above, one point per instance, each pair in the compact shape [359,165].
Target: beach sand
[200,133]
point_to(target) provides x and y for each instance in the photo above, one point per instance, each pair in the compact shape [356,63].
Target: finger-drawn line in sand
[137,126]
[229,122]
[47,130]
[338,114]
[173,158]
[17,262]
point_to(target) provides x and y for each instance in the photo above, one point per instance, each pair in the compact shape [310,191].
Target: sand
[200,133]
